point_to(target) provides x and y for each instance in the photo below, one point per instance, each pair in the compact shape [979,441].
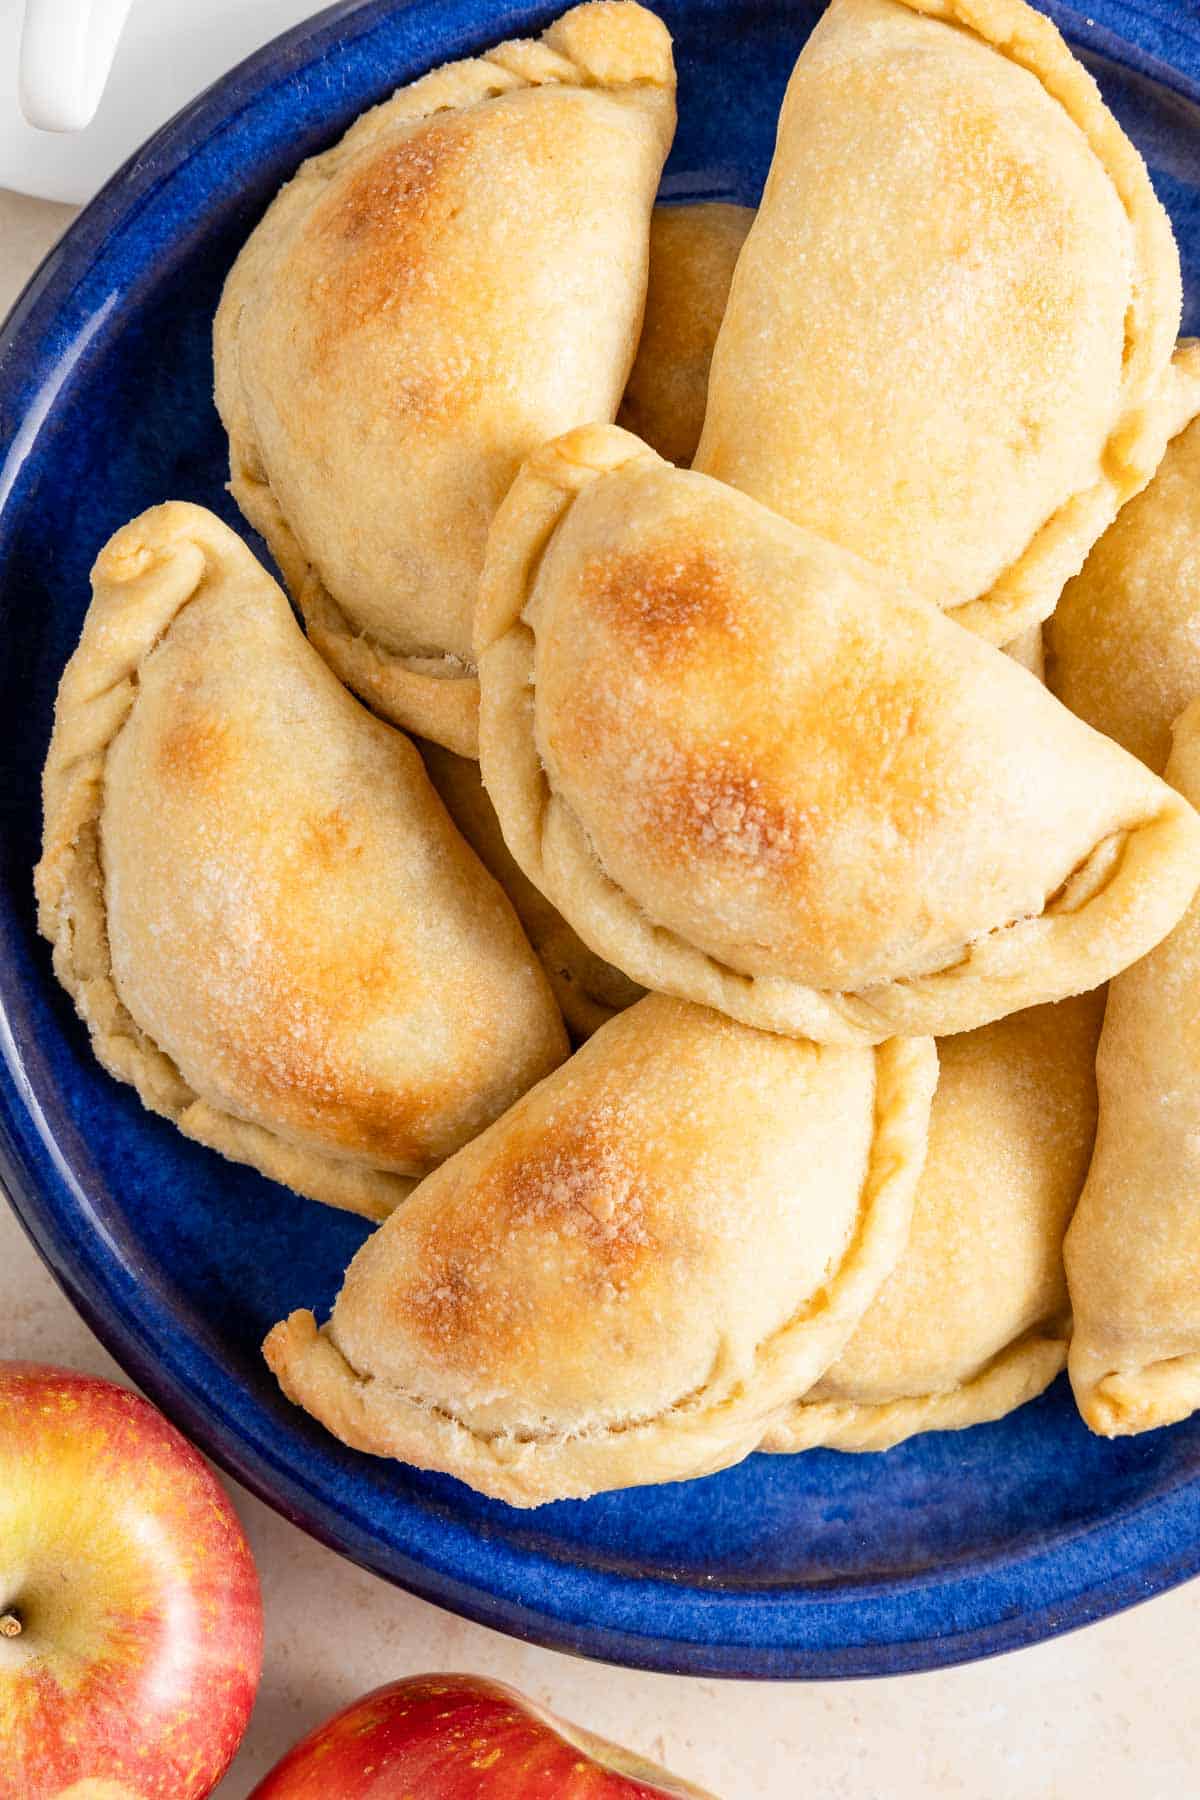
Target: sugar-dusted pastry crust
[460,278]
[626,1276]
[257,902]
[1133,1250]
[948,339]
[750,771]
[693,252]
[1124,642]
[588,990]
[974,1319]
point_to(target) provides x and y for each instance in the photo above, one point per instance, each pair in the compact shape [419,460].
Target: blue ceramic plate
[950,1547]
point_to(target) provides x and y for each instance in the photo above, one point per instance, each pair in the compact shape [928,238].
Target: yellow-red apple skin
[458,1737]
[141,1643]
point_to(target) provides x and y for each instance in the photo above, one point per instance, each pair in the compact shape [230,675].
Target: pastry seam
[1019,1372]
[1027,593]
[1184,410]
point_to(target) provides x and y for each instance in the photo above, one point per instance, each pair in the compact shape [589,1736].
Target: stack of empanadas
[713,775]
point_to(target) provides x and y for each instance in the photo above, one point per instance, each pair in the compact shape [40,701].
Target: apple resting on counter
[456,1737]
[130,1613]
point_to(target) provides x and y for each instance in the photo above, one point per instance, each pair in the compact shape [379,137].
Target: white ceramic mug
[84,82]
[67,50]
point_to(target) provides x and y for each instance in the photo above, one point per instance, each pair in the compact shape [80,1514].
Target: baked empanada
[588,990]
[1124,642]
[256,899]
[974,1319]
[459,279]
[752,771]
[948,340]
[1133,1251]
[621,1280]
[693,250]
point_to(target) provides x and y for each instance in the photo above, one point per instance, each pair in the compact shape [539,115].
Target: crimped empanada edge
[1183,410]
[144,577]
[697,1437]
[1019,1373]
[1113,907]
[1027,593]
[1124,1402]
[602,46]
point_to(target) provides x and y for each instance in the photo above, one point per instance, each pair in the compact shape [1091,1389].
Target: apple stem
[10,1625]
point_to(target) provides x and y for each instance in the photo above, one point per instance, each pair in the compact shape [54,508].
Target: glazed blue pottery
[947,1548]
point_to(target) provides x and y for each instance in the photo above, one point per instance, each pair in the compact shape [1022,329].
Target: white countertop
[1106,1714]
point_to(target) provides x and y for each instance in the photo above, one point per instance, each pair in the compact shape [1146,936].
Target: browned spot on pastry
[197,747]
[376,244]
[378,229]
[660,600]
[769,796]
[722,805]
[306,993]
[447,1300]
[403,226]
[328,839]
[573,1185]
[397,184]
[312,1091]
[578,1180]
[888,735]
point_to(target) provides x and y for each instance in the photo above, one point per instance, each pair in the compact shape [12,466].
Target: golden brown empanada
[257,901]
[588,990]
[752,771]
[948,339]
[974,1319]
[1133,1251]
[1124,642]
[693,250]
[623,1278]
[459,279]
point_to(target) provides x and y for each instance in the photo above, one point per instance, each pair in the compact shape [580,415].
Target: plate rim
[1140,1566]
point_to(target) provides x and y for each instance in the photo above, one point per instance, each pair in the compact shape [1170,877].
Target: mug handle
[67,49]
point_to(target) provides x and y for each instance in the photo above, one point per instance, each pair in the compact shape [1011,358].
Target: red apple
[457,1737]
[130,1613]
